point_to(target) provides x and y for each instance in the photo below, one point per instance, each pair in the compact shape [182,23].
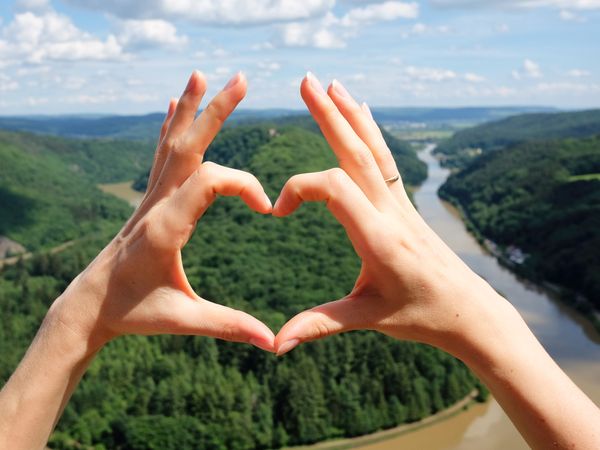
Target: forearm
[34,397]
[547,408]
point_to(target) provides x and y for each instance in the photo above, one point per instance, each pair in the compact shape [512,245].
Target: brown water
[568,338]
[123,191]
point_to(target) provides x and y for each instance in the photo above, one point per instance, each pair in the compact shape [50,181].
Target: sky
[130,57]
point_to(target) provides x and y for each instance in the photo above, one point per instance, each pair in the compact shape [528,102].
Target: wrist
[74,316]
[494,336]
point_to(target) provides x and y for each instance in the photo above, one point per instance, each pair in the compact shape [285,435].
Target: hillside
[143,127]
[466,144]
[46,194]
[174,392]
[543,198]
[235,147]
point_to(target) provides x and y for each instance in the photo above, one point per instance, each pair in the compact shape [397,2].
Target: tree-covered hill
[144,127]
[459,150]
[235,146]
[544,198]
[174,392]
[46,194]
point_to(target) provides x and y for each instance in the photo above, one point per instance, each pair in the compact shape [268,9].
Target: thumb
[349,313]
[204,318]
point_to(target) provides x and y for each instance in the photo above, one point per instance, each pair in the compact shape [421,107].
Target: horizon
[535,109]
[89,56]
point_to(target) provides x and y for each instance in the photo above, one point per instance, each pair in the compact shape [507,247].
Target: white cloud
[474,78]
[229,12]
[149,33]
[50,37]
[318,34]
[531,69]
[379,12]
[331,31]
[578,73]
[429,74]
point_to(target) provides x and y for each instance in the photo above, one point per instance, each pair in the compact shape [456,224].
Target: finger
[336,317]
[353,154]
[186,107]
[204,318]
[194,197]
[361,121]
[364,127]
[190,152]
[160,155]
[344,198]
[210,121]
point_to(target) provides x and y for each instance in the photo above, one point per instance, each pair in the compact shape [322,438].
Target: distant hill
[138,127]
[144,127]
[235,146]
[438,116]
[46,198]
[466,144]
[544,198]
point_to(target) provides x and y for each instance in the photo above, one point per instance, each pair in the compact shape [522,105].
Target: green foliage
[458,151]
[101,160]
[43,200]
[180,392]
[540,197]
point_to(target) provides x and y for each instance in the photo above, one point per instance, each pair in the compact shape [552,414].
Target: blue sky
[126,56]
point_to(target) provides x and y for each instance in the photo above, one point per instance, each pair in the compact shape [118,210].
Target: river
[568,337]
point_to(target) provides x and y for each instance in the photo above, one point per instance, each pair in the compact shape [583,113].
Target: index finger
[353,154]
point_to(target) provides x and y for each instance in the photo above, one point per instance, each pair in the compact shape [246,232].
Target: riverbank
[384,435]
[568,297]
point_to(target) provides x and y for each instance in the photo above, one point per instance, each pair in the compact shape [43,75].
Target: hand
[411,286]
[137,285]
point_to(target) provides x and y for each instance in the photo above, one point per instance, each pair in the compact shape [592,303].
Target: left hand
[137,284]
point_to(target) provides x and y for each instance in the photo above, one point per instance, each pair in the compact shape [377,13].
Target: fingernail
[314,83]
[287,346]
[234,80]
[340,89]
[262,344]
[190,82]
[268,202]
[367,110]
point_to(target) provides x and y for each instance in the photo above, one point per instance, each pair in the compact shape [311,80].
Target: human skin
[137,284]
[411,286]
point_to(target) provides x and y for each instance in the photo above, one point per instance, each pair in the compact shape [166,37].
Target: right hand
[411,285]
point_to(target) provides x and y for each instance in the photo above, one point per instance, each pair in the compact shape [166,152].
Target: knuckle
[170,143]
[337,178]
[228,331]
[319,329]
[216,113]
[208,167]
[362,157]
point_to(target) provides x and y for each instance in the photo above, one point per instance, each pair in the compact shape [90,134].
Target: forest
[465,145]
[544,198]
[176,392]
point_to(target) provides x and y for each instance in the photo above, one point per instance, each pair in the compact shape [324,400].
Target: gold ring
[393,179]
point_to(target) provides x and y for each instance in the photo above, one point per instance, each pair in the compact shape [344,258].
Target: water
[566,336]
